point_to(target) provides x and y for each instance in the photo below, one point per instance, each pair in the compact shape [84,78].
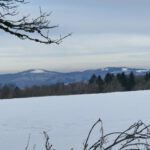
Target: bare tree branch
[136,137]
[48,146]
[35,29]
[28,142]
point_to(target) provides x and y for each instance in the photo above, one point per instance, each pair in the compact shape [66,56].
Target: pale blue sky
[105,33]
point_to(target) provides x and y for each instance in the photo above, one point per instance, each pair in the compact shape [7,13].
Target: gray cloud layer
[105,33]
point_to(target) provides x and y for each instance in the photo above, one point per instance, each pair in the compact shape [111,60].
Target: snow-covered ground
[67,119]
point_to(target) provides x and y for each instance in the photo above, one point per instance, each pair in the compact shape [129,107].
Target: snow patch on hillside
[124,69]
[37,71]
[142,70]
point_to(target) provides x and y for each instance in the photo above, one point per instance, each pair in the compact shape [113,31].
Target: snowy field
[67,119]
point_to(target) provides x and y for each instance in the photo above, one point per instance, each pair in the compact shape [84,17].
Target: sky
[105,33]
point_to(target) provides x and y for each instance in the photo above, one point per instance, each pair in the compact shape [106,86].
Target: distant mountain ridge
[45,77]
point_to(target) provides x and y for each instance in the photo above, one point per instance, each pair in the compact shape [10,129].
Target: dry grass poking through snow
[135,137]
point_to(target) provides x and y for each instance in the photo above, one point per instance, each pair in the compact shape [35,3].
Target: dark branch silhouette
[34,29]
[48,146]
[136,137]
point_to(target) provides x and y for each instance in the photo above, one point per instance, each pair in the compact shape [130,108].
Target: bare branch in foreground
[28,143]
[136,137]
[34,29]
[48,146]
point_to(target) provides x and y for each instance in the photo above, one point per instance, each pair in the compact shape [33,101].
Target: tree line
[96,84]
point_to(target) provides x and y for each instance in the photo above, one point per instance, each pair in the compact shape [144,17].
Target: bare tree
[35,29]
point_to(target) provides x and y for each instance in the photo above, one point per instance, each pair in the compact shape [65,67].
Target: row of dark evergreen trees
[96,84]
[121,82]
[113,82]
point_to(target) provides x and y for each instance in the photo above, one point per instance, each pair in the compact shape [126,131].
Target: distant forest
[96,84]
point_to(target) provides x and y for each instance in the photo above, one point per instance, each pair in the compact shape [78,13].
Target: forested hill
[43,77]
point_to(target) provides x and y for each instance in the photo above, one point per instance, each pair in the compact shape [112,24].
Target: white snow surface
[67,119]
[140,70]
[37,71]
[124,69]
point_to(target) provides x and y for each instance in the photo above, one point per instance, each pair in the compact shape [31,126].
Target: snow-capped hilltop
[44,77]
[34,71]
[142,70]
[38,71]
[124,69]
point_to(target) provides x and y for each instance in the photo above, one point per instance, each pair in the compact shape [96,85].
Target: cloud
[89,44]
[104,33]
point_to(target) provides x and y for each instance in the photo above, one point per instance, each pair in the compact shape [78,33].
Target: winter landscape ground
[67,119]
